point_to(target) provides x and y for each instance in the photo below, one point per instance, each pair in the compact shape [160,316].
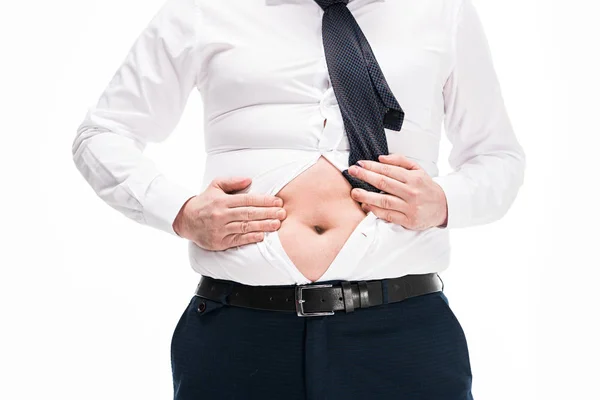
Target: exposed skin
[321,215]
[217,220]
[318,209]
[412,199]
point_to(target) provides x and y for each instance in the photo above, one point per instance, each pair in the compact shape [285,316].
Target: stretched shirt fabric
[261,71]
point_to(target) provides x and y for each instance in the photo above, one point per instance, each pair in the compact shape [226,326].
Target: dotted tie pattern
[365,99]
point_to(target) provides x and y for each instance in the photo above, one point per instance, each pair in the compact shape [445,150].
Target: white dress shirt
[259,66]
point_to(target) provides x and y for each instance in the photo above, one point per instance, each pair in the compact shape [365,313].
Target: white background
[89,299]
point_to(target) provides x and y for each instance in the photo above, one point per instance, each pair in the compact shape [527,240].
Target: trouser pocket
[187,334]
[442,296]
[456,326]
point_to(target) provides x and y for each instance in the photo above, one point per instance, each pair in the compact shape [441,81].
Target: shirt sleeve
[487,160]
[142,103]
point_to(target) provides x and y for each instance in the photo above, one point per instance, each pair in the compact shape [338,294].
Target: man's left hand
[412,198]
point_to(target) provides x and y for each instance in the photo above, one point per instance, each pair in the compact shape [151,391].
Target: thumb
[231,184]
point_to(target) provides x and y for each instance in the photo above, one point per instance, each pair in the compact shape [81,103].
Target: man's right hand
[217,220]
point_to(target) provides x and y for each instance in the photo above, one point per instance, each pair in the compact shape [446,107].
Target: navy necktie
[364,97]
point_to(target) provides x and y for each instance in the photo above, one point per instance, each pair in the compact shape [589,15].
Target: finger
[398,160]
[253,199]
[381,182]
[265,225]
[230,184]
[254,213]
[392,171]
[392,216]
[240,239]
[381,200]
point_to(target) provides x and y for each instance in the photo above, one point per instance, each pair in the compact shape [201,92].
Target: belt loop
[347,294]
[223,289]
[384,291]
[363,293]
[408,289]
[223,298]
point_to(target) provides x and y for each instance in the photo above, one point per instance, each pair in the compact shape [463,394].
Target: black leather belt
[318,299]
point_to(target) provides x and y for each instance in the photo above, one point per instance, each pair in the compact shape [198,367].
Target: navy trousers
[410,350]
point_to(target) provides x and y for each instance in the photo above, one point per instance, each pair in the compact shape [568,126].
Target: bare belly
[321,215]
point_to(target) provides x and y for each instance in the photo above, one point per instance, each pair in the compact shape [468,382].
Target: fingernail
[360,162]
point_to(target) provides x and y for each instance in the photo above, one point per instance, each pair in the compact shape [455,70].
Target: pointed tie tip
[393,119]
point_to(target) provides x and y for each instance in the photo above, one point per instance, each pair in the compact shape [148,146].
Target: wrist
[179,221]
[443,209]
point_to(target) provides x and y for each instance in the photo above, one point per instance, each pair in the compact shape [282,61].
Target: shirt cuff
[458,199]
[163,201]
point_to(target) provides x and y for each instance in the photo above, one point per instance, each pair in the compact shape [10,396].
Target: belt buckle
[299,301]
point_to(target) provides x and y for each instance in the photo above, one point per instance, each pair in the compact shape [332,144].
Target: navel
[319,229]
